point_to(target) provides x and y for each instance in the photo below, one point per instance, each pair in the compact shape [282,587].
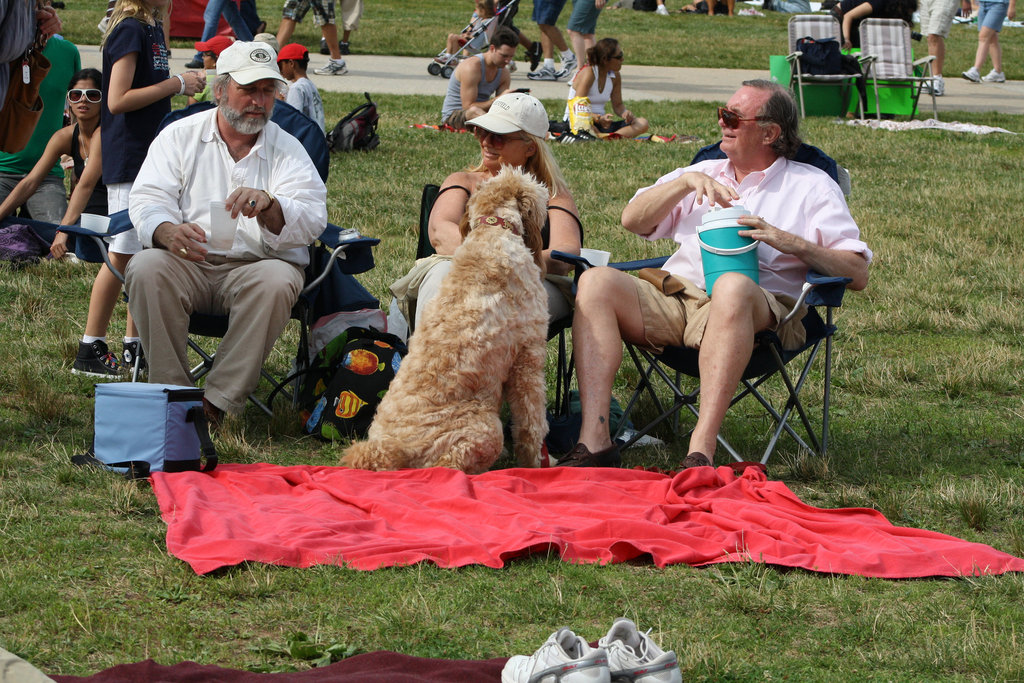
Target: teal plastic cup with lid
[722,249]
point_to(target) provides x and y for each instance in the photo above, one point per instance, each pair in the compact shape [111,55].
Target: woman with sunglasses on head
[600,81]
[511,133]
[80,141]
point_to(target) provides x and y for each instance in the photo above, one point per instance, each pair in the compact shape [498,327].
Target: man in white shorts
[936,18]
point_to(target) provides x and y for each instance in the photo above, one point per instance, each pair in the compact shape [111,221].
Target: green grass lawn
[928,427]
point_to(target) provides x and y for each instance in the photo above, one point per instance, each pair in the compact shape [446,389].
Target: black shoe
[695,459]
[580,456]
[570,138]
[196,63]
[534,53]
[96,360]
[323,47]
[131,351]
[343,46]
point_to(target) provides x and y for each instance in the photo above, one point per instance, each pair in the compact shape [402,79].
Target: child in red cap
[210,50]
[293,61]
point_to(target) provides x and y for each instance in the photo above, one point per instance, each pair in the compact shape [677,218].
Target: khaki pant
[164,289]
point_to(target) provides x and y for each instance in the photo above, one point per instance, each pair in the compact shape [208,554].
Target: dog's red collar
[494,220]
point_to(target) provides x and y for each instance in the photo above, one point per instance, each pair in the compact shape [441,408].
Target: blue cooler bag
[143,428]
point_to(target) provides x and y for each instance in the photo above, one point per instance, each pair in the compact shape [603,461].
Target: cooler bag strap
[208,451]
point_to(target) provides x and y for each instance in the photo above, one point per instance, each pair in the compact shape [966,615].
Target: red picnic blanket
[302,516]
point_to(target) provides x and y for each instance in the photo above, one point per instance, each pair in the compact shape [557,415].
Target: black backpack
[820,56]
[357,130]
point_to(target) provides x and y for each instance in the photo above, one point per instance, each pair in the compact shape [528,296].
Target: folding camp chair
[818,27]
[557,328]
[821,294]
[888,62]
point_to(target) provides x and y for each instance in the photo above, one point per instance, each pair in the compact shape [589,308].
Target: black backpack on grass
[357,130]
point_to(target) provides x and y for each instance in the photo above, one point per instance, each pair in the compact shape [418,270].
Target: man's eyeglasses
[732,120]
[90,94]
[497,141]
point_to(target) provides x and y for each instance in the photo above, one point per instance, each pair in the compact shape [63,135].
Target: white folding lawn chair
[886,56]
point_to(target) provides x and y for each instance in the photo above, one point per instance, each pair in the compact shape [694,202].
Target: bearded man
[233,166]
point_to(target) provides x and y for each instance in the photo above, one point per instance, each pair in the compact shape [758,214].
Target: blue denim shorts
[546,11]
[991,15]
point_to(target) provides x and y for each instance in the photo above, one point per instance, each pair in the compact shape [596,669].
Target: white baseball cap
[513,112]
[249,62]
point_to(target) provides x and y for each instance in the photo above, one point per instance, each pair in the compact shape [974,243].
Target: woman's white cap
[249,62]
[512,112]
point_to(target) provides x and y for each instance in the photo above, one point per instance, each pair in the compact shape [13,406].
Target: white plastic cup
[222,228]
[596,257]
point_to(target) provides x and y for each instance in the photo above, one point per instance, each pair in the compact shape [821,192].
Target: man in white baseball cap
[226,203]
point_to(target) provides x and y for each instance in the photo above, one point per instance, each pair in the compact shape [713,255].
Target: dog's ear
[464,225]
[533,210]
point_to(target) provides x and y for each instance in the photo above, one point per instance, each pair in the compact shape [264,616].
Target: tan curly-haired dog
[481,338]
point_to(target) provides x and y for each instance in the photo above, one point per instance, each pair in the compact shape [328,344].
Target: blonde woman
[137,90]
[511,133]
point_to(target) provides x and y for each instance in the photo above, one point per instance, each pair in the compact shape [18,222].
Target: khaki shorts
[675,312]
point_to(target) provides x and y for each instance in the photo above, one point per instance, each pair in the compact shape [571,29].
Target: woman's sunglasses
[90,94]
[618,56]
[498,141]
[732,120]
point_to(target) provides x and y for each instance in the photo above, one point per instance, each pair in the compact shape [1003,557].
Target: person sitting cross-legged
[797,213]
[478,80]
[235,157]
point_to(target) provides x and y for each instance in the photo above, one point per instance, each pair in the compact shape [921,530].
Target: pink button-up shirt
[792,196]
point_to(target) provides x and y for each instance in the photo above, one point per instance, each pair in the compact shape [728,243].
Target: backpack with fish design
[348,379]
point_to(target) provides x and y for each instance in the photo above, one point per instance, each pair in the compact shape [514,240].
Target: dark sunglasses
[90,94]
[497,140]
[211,55]
[618,56]
[732,120]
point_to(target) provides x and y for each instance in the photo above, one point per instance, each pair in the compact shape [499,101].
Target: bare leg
[985,37]
[638,127]
[106,288]
[330,33]
[285,31]
[937,48]
[555,38]
[738,311]
[606,313]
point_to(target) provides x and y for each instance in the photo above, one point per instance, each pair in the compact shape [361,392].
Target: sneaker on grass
[994,76]
[634,658]
[130,351]
[564,657]
[332,68]
[94,359]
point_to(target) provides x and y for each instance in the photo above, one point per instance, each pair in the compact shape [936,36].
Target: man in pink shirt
[797,212]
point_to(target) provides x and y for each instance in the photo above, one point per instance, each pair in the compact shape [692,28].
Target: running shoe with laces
[972,75]
[545,73]
[563,658]
[634,658]
[938,85]
[94,359]
[994,76]
[332,68]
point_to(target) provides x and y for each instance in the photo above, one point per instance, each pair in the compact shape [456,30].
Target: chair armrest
[826,290]
[924,60]
[354,250]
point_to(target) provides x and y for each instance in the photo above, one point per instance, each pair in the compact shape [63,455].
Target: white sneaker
[994,76]
[332,68]
[972,75]
[936,87]
[634,658]
[569,65]
[662,10]
[545,73]
[104,22]
[563,658]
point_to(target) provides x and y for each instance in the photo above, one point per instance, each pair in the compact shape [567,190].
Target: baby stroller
[444,64]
